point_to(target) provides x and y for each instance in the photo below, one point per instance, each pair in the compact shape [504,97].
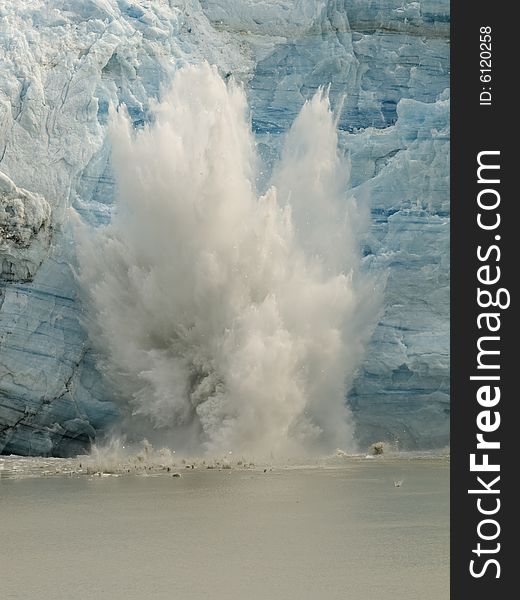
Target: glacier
[63,63]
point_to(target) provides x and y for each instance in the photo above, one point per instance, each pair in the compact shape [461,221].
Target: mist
[225,319]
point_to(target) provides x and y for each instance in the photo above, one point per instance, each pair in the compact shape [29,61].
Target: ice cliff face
[61,65]
[25,223]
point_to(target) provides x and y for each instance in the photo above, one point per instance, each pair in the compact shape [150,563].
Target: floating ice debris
[377,448]
[398,483]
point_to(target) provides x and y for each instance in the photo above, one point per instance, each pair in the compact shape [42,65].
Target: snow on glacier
[63,63]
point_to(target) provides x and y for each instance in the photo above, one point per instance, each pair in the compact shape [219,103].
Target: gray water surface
[311,533]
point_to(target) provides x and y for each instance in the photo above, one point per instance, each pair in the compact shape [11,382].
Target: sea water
[350,529]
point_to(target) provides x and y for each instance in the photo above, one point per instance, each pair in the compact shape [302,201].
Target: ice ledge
[25,231]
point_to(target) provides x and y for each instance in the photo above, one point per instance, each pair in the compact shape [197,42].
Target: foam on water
[226,319]
[118,458]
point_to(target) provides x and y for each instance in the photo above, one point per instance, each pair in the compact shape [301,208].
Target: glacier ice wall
[63,63]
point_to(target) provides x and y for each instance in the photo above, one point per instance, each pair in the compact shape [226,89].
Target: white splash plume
[225,319]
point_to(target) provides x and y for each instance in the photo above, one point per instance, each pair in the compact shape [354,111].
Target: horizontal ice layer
[60,68]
